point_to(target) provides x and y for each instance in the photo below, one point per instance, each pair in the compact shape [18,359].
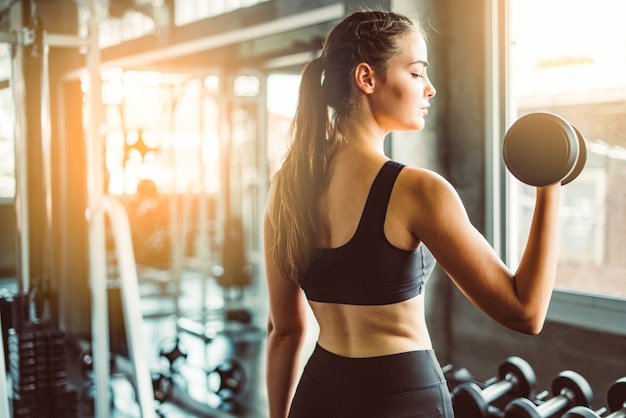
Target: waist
[373,375]
[369,331]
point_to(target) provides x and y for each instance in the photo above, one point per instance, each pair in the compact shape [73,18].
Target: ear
[364,78]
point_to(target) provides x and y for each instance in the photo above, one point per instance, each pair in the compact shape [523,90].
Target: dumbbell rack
[4,392]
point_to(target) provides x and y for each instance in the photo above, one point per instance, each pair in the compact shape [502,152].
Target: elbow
[531,328]
[293,332]
[529,322]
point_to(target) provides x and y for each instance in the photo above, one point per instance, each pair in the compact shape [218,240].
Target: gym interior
[137,142]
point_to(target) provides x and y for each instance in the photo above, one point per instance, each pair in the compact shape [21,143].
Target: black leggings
[396,386]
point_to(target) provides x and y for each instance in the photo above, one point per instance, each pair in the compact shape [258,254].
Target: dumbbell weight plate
[580,412]
[582,158]
[467,399]
[616,397]
[515,378]
[521,408]
[573,382]
[541,148]
[524,375]
[227,380]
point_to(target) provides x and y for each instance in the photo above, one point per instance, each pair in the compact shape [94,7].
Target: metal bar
[296,21]
[21,160]
[300,58]
[46,151]
[68,41]
[493,128]
[50,39]
[133,320]
[96,231]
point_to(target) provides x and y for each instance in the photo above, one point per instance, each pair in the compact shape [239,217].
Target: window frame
[593,312]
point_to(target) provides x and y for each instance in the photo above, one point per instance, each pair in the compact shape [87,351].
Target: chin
[418,126]
[419,123]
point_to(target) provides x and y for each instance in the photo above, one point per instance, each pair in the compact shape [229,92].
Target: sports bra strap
[375,210]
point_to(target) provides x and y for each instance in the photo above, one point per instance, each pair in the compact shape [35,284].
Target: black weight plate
[228,379]
[467,400]
[616,397]
[521,408]
[580,412]
[524,375]
[540,148]
[580,161]
[577,384]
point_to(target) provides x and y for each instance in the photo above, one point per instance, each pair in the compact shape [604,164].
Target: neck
[363,135]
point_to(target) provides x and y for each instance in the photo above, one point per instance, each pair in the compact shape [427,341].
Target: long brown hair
[326,99]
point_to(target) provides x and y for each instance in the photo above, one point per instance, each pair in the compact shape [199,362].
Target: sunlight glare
[585,46]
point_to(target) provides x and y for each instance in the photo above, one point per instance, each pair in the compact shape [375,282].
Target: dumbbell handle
[498,389]
[555,404]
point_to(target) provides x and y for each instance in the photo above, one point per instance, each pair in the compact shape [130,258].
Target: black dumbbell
[173,351]
[542,148]
[569,389]
[227,380]
[455,377]
[515,377]
[616,398]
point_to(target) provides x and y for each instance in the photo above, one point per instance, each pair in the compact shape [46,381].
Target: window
[188,11]
[161,127]
[282,100]
[7,155]
[568,58]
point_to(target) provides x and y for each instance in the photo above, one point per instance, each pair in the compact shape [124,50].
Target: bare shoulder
[427,200]
[421,182]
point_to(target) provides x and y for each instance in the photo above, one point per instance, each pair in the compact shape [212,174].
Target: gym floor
[232,333]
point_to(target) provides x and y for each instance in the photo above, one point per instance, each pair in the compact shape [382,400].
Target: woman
[356,236]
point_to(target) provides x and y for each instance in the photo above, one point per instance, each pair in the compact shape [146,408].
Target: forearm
[534,279]
[283,353]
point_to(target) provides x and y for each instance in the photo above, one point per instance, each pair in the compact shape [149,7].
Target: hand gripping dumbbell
[515,377]
[569,389]
[542,148]
[616,399]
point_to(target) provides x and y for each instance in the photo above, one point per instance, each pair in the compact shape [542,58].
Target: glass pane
[7,155]
[569,58]
[188,11]
[282,100]
[162,127]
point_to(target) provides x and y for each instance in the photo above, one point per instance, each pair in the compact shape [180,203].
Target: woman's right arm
[286,328]
[518,300]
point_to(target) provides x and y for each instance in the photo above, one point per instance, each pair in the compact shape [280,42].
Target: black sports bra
[368,269]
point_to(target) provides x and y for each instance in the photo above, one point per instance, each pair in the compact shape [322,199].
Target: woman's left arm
[285,332]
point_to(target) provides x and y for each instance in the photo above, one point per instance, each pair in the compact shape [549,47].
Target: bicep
[464,253]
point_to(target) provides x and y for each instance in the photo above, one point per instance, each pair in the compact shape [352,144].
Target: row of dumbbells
[511,394]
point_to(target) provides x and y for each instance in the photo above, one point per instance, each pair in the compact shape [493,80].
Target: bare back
[362,330]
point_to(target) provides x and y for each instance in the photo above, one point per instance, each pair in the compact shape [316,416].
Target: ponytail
[299,226]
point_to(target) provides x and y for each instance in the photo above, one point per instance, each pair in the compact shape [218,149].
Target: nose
[430,90]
